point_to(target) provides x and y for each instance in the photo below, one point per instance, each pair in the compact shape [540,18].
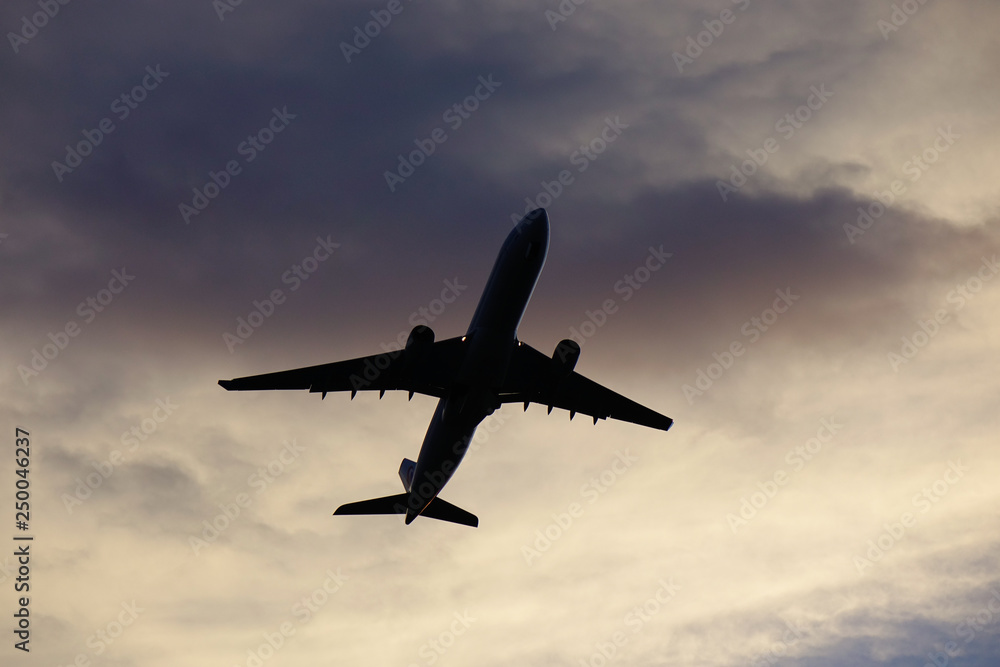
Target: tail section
[437,509]
[406,470]
[445,511]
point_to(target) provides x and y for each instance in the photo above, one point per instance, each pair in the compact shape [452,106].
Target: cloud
[889,333]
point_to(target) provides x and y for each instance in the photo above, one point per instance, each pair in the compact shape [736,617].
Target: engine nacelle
[566,354]
[420,340]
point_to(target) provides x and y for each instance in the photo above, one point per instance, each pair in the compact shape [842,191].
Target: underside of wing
[534,377]
[424,367]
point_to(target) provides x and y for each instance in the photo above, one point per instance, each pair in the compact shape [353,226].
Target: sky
[775,222]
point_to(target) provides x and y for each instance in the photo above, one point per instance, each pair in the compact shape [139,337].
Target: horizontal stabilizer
[445,511]
[438,509]
[386,505]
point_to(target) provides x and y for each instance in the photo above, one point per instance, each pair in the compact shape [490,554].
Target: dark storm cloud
[324,174]
[351,122]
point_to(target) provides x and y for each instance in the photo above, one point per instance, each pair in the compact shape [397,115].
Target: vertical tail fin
[406,470]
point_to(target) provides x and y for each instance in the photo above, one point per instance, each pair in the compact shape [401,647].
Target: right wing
[533,377]
[424,371]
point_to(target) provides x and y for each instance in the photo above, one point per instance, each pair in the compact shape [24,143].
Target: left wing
[538,378]
[427,370]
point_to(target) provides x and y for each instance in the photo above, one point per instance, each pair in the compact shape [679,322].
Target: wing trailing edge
[425,367]
[535,377]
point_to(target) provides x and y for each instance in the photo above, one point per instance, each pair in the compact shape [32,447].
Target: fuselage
[489,343]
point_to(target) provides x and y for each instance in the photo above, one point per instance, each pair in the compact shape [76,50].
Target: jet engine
[566,354]
[420,341]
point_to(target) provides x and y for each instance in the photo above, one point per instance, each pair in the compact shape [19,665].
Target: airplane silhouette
[472,375]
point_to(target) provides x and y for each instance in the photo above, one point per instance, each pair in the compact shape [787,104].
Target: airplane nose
[537,217]
[536,223]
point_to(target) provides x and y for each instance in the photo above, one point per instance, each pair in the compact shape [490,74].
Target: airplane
[471,375]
